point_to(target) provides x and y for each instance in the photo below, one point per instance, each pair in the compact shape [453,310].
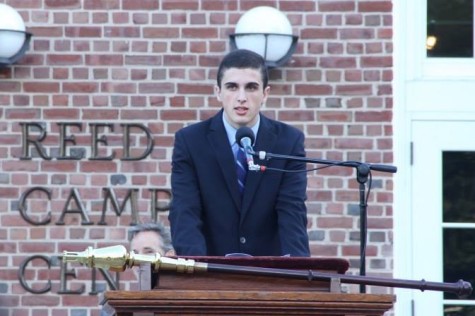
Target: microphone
[245,138]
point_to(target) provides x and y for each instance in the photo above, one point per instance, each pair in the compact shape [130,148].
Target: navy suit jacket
[208,216]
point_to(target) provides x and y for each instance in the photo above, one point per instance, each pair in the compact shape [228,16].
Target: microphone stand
[362,172]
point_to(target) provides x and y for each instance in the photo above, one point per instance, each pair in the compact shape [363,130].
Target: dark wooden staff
[116,258]
[461,287]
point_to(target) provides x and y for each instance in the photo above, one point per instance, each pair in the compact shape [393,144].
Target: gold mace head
[114,258]
[117,258]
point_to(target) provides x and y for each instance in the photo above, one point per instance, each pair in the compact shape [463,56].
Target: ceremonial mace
[117,258]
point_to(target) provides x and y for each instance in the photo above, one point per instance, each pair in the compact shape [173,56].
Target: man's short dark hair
[243,58]
[158,227]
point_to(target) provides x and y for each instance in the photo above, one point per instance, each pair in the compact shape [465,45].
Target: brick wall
[97,68]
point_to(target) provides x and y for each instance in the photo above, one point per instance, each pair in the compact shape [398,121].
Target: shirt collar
[231,131]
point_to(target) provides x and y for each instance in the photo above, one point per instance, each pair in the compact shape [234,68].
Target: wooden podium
[212,293]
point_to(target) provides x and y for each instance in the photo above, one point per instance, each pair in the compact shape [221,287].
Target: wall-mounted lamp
[431,41]
[266,31]
[14,40]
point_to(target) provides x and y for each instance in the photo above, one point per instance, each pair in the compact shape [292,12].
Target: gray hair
[158,227]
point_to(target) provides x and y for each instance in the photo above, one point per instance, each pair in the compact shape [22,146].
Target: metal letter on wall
[23,208]
[21,274]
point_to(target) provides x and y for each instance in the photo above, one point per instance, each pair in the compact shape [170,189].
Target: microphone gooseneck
[245,138]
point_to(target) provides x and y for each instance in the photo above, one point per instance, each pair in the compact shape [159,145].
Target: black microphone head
[244,132]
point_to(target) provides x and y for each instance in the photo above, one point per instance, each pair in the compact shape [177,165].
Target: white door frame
[424,89]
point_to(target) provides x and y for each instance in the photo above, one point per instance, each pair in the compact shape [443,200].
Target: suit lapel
[219,142]
[265,140]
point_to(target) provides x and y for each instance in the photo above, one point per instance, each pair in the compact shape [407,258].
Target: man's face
[242,95]
[147,242]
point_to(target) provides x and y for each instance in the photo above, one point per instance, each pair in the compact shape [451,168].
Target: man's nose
[242,95]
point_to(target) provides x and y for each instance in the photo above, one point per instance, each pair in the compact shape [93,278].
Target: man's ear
[266,94]
[217,92]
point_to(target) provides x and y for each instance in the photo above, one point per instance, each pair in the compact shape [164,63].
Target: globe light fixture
[266,31]
[14,40]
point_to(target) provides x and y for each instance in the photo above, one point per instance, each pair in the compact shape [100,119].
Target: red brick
[179,60]
[386,89]
[297,6]
[139,115]
[199,32]
[180,5]
[140,5]
[353,143]
[375,6]
[83,31]
[318,143]
[355,250]
[98,166]
[40,300]
[334,222]
[63,4]
[195,89]
[337,62]
[47,31]
[334,116]
[101,4]
[320,195]
[41,87]
[377,62]
[313,89]
[336,6]
[143,60]
[313,33]
[353,19]
[380,223]
[219,5]
[354,76]
[121,31]
[10,86]
[112,87]
[10,300]
[180,115]
[385,33]
[103,60]
[59,166]
[373,116]
[80,87]
[353,33]
[324,250]
[356,89]
[299,116]
[156,88]
[147,167]
[51,114]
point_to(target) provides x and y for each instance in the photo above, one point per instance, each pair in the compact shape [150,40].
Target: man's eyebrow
[255,83]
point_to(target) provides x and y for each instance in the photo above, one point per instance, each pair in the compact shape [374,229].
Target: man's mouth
[241,110]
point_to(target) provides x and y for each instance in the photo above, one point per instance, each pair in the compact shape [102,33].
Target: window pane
[459,258]
[458,186]
[453,310]
[450,28]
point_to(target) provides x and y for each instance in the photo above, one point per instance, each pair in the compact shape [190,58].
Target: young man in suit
[209,216]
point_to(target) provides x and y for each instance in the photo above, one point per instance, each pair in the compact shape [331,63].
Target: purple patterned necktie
[241,168]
